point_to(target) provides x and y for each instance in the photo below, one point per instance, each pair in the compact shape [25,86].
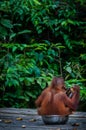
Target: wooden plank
[18,111]
[30,111]
[37,124]
[34,112]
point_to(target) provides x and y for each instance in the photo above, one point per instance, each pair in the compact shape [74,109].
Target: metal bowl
[55,119]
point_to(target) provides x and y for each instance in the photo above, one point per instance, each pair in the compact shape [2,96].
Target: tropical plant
[38,40]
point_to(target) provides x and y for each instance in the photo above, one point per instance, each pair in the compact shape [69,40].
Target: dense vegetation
[40,39]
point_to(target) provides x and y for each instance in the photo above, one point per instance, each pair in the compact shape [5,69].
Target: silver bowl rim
[55,119]
[54,115]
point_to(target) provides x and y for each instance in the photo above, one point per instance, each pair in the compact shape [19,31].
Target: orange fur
[54,101]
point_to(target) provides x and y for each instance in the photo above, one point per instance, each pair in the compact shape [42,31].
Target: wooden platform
[27,119]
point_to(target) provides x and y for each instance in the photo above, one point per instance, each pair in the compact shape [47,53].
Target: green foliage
[42,19]
[82,84]
[38,40]
[25,72]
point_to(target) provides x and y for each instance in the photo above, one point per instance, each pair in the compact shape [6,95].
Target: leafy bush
[38,40]
[25,71]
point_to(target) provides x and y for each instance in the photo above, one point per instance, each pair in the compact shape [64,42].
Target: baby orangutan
[54,100]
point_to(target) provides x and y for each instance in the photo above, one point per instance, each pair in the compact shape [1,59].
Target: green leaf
[37,2]
[68,69]
[70,21]
[28,81]
[30,94]
[39,81]
[6,23]
[3,31]
[64,23]
[37,71]
[15,82]
[83,56]
[12,35]
[24,31]
[43,85]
